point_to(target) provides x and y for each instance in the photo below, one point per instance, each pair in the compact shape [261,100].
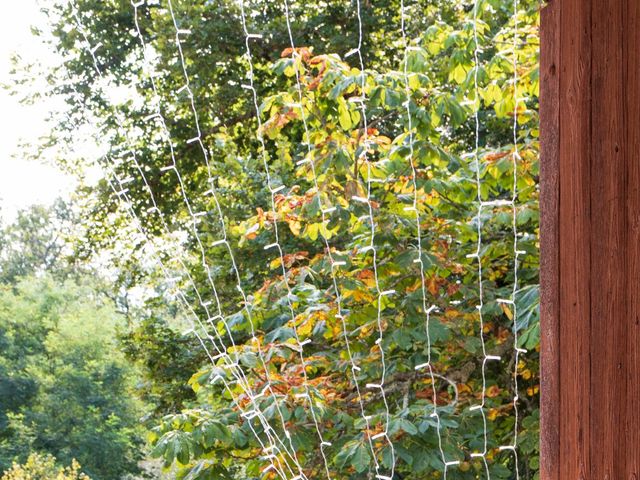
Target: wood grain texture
[549,238]
[574,244]
[631,49]
[608,240]
[590,240]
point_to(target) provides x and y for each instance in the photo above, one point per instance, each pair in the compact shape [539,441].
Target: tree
[39,467]
[195,439]
[166,357]
[65,388]
[206,439]
[35,242]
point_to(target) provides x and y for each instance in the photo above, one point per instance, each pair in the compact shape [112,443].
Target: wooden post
[590,240]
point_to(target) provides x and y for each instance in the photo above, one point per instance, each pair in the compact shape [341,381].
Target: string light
[233,366]
[372,247]
[275,446]
[324,209]
[158,115]
[477,254]
[194,318]
[285,274]
[414,208]
[516,251]
[239,287]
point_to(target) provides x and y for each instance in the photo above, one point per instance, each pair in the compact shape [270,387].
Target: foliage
[39,467]
[35,242]
[166,358]
[209,438]
[65,389]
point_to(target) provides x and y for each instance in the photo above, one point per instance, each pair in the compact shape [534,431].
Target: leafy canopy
[65,388]
[208,438]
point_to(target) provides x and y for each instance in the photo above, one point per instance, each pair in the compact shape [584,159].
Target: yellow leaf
[414,81]
[507,311]
[275,263]
[295,228]
[290,71]
[312,231]
[459,74]
[305,329]
[326,232]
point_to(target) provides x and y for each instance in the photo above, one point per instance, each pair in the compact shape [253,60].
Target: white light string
[513,447]
[158,115]
[233,366]
[276,244]
[477,254]
[125,200]
[423,287]
[120,124]
[334,264]
[122,193]
[187,88]
[372,248]
[221,353]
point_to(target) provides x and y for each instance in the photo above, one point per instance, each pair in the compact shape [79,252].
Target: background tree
[43,468]
[65,387]
[35,242]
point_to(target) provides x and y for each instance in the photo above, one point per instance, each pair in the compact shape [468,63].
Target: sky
[23,182]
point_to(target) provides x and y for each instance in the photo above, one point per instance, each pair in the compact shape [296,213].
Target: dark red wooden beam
[549,231]
[590,240]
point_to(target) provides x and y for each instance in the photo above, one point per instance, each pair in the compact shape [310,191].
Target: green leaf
[361,458]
